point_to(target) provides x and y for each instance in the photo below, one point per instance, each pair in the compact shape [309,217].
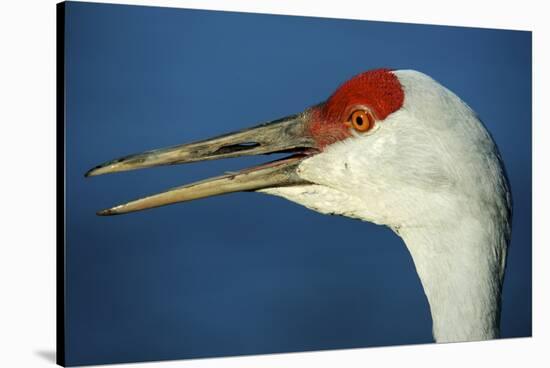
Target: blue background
[248,273]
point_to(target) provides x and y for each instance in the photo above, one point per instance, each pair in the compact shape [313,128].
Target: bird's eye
[361,120]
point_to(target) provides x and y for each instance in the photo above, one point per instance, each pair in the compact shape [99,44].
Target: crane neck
[461,267]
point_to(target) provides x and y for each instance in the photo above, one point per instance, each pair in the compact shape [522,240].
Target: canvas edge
[60,184]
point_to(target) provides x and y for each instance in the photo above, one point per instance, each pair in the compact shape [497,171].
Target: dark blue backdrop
[248,273]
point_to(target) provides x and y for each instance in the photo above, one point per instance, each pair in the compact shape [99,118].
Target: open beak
[287,135]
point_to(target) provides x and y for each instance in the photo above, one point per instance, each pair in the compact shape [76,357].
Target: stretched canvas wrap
[377,190]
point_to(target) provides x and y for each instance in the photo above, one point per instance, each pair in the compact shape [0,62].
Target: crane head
[379,148]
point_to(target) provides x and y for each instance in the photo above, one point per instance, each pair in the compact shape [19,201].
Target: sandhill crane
[391,147]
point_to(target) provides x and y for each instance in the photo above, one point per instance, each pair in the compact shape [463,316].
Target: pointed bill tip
[89,173]
[108,212]
[100,169]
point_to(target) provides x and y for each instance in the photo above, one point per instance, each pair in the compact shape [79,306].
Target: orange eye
[361,120]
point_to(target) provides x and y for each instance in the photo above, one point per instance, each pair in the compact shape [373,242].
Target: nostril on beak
[237,147]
